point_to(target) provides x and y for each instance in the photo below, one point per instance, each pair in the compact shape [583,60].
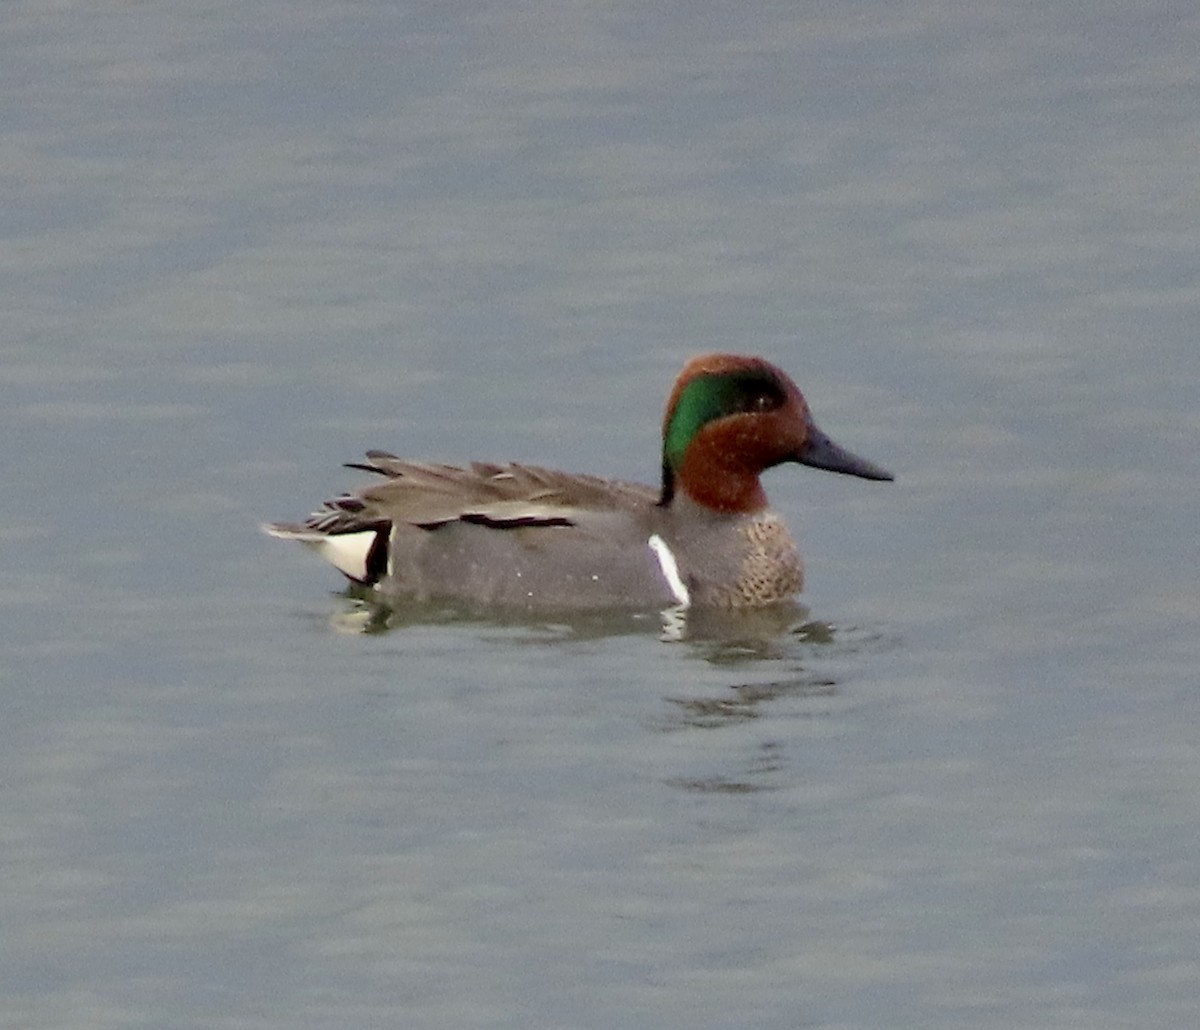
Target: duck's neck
[714,484]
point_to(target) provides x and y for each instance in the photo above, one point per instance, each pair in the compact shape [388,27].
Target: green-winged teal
[519,536]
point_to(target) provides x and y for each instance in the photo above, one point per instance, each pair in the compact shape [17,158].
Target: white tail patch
[670,569]
[346,552]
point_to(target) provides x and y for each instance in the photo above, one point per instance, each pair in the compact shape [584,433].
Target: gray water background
[241,243]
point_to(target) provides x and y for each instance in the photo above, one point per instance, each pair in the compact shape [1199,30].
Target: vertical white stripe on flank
[670,568]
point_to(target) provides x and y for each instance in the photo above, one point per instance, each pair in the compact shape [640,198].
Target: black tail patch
[377,557]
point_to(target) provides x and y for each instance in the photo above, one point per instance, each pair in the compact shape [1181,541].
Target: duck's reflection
[754,779]
[773,662]
[745,701]
[731,634]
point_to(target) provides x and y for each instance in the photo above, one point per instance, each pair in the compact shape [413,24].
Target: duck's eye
[762,401]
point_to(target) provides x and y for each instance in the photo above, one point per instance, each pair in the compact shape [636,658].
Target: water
[244,243]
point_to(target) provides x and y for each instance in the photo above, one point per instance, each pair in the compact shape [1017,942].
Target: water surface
[243,243]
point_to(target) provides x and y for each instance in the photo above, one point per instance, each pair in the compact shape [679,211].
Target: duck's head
[730,417]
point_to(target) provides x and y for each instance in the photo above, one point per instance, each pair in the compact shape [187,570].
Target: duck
[521,536]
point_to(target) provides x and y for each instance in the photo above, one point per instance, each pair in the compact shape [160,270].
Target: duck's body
[518,536]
